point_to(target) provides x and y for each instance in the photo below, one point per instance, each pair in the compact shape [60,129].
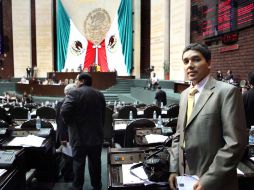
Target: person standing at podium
[211,126]
[83,110]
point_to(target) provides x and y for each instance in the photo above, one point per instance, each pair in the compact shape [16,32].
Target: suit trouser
[94,165]
[67,168]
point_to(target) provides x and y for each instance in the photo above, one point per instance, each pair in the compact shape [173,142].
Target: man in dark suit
[28,72]
[248,99]
[213,136]
[160,97]
[83,110]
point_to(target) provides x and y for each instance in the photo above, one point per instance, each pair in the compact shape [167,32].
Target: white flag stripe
[77,47]
[115,57]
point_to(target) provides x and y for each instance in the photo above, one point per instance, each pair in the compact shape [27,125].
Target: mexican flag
[113,53]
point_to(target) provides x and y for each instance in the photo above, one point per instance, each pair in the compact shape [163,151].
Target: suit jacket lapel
[183,106]
[203,98]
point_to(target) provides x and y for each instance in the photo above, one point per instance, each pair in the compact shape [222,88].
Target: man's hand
[198,186]
[172,181]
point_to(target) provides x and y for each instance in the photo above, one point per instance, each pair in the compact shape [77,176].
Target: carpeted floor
[61,185]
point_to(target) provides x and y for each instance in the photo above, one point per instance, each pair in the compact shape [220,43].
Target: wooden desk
[12,179]
[41,90]
[40,158]
[101,80]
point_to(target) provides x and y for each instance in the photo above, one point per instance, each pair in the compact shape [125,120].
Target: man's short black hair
[86,77]
[202,48]
[251,78]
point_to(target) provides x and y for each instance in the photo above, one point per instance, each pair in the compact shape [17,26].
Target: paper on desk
[155,138]
[164,111]
[186,182]
[120,126]
[67,149]
[2,171]
[128,178]
[54,125]
[30,140]
[140,112]
[239,172]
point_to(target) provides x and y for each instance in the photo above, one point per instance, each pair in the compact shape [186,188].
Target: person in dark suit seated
[248,100]
[62,136]
[219,75]
[160,97]
[27,98]
[84,112]
[229,77]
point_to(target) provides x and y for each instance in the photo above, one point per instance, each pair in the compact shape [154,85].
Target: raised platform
[101,81]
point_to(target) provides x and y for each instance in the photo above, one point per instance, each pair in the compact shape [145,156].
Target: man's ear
[209,64]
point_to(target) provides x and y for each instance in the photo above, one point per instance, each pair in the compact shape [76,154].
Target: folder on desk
[28,141]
